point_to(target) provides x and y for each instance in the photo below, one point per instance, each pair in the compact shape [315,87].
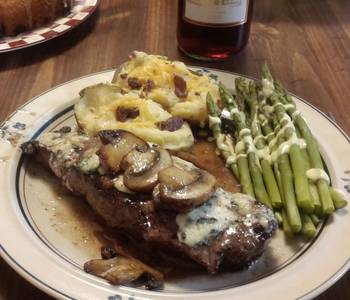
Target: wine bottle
[213,29]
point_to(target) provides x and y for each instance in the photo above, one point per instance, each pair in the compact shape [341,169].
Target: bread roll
[17,16]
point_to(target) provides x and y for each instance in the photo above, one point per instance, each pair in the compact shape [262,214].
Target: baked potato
[107,106]
[179,90]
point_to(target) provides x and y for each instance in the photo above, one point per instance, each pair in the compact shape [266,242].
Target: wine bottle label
[216,12]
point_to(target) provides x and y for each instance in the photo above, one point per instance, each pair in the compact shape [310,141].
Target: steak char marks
[221,242]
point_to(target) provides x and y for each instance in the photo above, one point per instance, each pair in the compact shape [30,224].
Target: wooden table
[306,44]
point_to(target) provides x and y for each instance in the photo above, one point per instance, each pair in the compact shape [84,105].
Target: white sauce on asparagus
[231,159]
[243,132]
[295,114]
[246,144]
[255,126]
[315,174]
[289,106]
[235,111]
[225,145]
[240,146]
[268,109]
[268,87]
[241,155]
[284,147]
[221,143]
[276,105]
[258,137]
[263,153]
[213,121]
[249,144]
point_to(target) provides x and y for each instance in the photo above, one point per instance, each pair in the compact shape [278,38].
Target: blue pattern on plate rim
[202,71]
[12,132]
[119,297]
[346,181]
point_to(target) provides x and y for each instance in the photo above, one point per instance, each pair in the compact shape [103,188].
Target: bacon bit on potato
[180,86]
[134,83]
[125,113]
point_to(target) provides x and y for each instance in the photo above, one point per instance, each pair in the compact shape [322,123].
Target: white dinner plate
[81,10]
[46,234]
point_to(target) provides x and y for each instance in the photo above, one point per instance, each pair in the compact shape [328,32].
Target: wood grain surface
[306,44]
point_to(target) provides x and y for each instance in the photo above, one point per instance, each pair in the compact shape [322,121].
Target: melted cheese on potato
[161,71]
[97,110]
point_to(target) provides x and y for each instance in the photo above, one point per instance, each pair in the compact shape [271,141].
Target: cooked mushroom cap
[121,270]
[182,190]
[142,168]
[138,162]
[116,144]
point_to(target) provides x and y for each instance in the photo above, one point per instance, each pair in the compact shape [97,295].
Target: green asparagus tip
[266,72]
[225,95]
[212,109]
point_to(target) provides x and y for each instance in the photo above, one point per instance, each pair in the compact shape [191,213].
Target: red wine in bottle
[213,29]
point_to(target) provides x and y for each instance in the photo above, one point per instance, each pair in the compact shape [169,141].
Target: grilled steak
[227,230]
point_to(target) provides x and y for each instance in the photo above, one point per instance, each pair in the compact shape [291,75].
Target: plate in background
[81,10]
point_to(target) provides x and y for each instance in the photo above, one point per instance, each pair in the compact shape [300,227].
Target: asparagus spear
[245,179]
[267,172]
[290,171]
[309,229]
[285,224]
[279,217]
[313,151]
[315,219]
[299,172]
[286,178]
[225,149]
[241,90]
[242,161]
[268,132]
[312,187]
[259,187]
[289,194]
[246,139]
[338,199]
[316,199]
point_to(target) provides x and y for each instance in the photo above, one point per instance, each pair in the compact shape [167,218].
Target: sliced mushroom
[116,144]
[122,270]
[182,190]
[176,178]
[142,168]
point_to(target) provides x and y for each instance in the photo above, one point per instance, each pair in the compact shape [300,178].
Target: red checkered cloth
[81,10]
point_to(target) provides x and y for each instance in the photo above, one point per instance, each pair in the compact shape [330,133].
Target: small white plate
[46,234]
[81,10]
